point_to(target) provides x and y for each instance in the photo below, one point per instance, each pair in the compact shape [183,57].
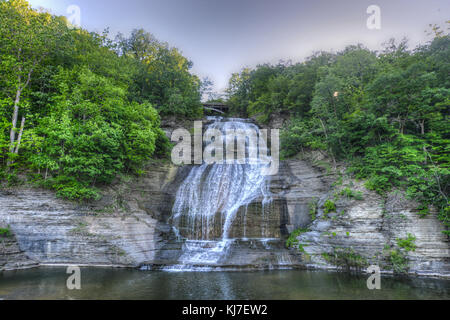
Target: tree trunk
[12,134]
[20,88]
[329,148]
[422,132]
[19,138]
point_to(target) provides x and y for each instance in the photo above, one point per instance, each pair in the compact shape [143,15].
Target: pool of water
[106,283]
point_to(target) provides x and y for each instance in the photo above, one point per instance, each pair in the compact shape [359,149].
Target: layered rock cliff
[128,227]
[122,229]
[363,229]
[11,256]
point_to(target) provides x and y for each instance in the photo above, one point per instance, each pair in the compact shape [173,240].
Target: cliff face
[128,227]
[11,256]
[363,230]
[122,229]
[370,229]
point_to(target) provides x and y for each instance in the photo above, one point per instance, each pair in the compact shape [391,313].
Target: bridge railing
[220,108]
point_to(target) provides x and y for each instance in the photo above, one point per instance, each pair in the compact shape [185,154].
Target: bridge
[216,107]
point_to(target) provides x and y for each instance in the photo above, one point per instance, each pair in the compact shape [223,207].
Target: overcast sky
[222,36]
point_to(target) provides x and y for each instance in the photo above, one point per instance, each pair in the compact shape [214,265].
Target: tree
[238,91]
[27,37]
[163,76]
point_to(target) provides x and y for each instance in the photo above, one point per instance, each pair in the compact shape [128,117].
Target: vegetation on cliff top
[386,113]
[77,108]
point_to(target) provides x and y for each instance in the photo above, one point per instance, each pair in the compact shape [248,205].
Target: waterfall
[208,200]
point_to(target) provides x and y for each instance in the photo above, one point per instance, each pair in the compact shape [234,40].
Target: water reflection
[50,283]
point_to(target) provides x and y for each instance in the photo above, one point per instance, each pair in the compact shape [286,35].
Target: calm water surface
[105,283]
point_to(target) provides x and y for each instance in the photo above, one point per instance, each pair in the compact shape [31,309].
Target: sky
[223,36]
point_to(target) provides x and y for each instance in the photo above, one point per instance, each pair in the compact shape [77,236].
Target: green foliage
[424,210]
[329,206]
[70,188]
[326,256]
[300,135]
[12,179]
[398,257]
[351,194]
[408,244]
[399,261]
[81,229]
[92,105]
[292,240]
[5,232]
[313,207]
[269,89]
[163,76]
[346,258]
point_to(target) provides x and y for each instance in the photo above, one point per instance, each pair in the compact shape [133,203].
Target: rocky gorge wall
[120,230]
[129,228]
[363,230]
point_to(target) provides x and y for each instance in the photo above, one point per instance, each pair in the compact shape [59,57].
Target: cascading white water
[211,196]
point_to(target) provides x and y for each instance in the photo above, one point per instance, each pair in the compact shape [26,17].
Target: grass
[398,261]
[346,258]
[329,206]
[312,205]
[292,241]
[407,243]
[5,232]
[351,194]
